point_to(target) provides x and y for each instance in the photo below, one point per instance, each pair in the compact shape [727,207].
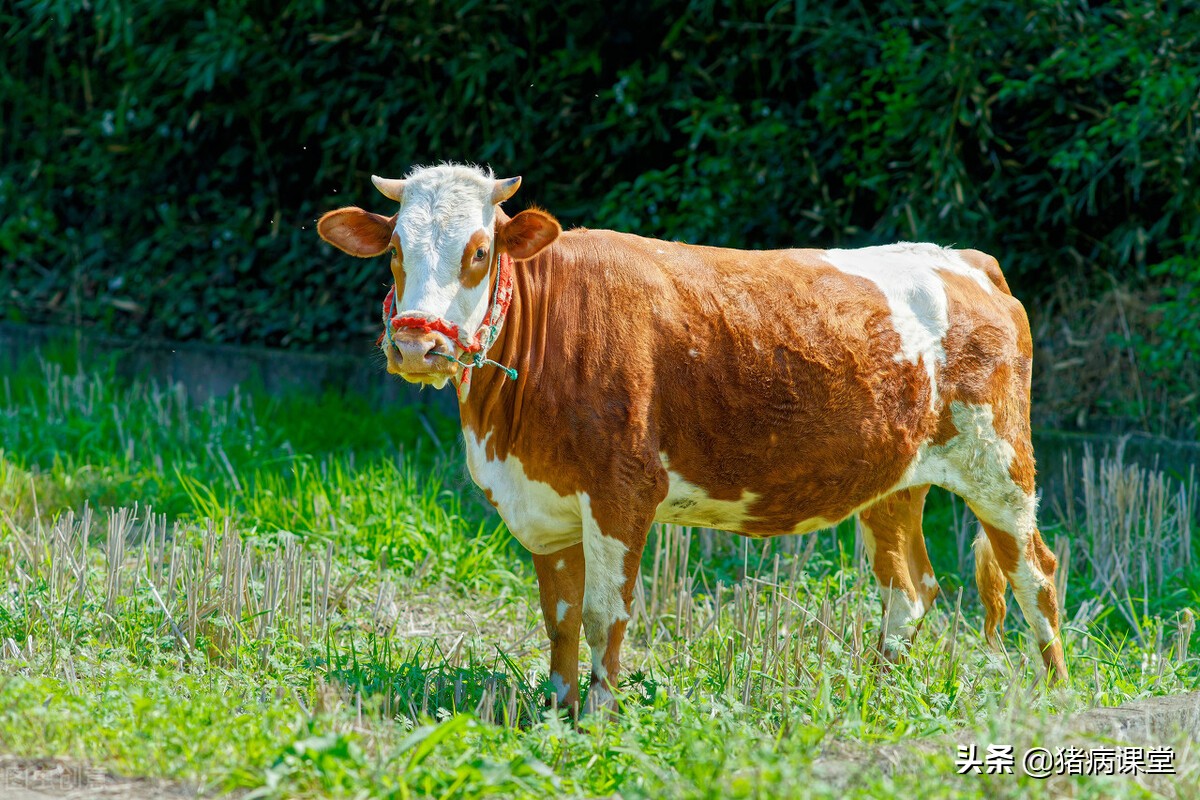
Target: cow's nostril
[422,354]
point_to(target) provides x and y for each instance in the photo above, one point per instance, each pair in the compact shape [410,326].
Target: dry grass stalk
[1132,530]
[211,589]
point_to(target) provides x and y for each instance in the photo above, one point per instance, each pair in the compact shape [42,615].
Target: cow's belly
[539,517]
[545,521]
[688,504]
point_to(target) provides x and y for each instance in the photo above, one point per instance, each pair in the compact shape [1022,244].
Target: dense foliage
[163,162]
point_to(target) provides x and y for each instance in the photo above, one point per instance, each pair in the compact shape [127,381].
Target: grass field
[306,597]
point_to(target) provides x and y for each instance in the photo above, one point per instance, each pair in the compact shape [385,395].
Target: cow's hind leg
[1029,566]
[990,465]
[560,582]
[895,544]
[990,580]
[612,546]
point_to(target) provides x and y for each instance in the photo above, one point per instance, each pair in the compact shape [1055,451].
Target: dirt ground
[1172,721]
[1154,721]
[64,779]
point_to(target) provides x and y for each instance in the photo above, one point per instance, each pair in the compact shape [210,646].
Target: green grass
[307,597]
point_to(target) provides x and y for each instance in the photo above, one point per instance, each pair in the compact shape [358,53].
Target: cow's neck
[493,402]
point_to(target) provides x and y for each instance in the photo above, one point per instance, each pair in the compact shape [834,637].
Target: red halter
[478,344]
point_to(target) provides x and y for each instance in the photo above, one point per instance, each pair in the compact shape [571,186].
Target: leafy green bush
[1170,353]
[164,162]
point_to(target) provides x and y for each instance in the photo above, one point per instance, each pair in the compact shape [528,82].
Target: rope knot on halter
[474,347]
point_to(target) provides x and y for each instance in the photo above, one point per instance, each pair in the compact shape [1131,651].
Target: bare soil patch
[1171,721]
[67,779]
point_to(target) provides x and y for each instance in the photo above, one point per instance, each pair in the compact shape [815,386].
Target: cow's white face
[445,240]
[445,236]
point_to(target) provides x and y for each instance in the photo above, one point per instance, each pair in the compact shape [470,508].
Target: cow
[607,381]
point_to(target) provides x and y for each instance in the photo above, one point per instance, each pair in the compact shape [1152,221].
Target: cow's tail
[990,580]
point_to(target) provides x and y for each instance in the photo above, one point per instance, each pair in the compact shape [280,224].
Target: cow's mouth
[436,380]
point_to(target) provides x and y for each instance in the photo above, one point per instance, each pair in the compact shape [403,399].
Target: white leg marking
[560,686]
[899,618]
[928,581]
[598,697]
[899,612]
[604,581]
[975,464]
[1026,586]
[598,694]
[562,564]
[561,614]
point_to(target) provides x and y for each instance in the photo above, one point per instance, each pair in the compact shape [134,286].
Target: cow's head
[444,241]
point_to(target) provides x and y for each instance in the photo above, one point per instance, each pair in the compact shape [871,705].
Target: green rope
[479,360]
[509,371]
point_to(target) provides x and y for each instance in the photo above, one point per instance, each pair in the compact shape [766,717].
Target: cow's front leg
[560,581]
[895,544]
[612,544]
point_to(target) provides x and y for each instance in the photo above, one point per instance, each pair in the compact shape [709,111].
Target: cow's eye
[479,254]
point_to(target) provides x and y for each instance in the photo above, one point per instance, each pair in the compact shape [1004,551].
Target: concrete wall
[213,370]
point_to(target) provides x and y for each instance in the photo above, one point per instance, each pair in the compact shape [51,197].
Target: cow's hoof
[891,651]
[565,710]
[600,701]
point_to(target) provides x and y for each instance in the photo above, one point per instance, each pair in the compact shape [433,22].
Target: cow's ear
[357,232]
[528,233]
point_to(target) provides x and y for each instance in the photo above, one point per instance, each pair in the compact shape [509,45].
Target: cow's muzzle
[421,357]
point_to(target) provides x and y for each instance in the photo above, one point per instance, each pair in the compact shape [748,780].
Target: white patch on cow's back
[906,274]
[539,517]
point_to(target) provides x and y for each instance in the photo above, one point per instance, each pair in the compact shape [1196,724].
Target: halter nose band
[430,325]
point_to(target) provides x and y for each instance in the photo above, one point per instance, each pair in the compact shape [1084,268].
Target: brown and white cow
[761,392]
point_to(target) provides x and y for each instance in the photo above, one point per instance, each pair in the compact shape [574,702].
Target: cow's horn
[505,188]
[391,188]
